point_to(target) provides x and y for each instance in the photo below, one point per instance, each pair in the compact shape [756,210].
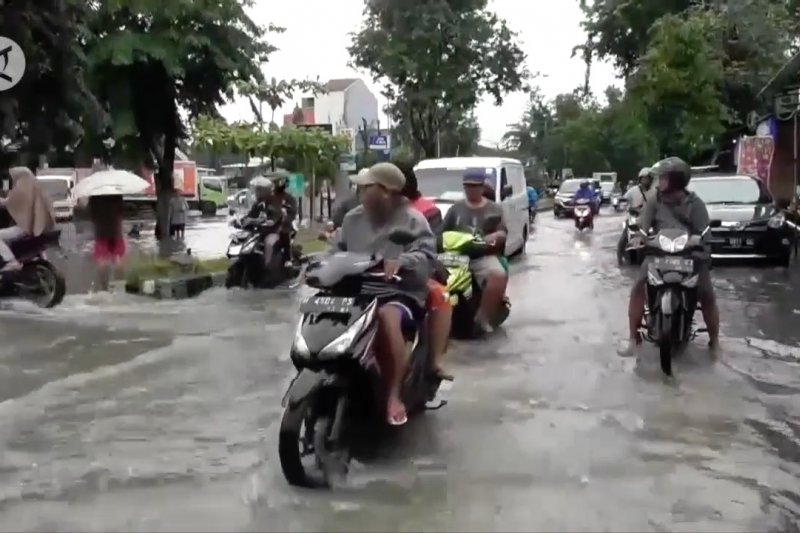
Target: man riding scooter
[635,198]
[471,215]
[281,199]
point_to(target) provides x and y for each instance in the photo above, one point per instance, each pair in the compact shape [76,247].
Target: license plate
[235,249]
[674,264]
[453,260]
[327,304]
[735,242]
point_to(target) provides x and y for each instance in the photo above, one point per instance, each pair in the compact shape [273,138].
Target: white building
[345,104]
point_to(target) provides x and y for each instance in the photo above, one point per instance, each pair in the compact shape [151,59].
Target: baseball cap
[475,176]
[384,174]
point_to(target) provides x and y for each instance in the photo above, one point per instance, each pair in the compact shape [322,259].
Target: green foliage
[51,106]
[275,93]
[436,59]
[693,69]
[148,59]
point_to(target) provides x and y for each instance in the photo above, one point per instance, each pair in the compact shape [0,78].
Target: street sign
[327,128]
[297,185]
[347,163]
[378,141]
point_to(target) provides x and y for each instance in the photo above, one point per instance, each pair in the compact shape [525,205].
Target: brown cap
[384,174]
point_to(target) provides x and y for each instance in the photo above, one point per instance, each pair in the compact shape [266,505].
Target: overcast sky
[316,39]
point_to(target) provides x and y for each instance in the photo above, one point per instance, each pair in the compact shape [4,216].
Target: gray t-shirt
[462,217]
[635,197]
[358,234]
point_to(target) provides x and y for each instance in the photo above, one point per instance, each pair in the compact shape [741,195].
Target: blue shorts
[408,322]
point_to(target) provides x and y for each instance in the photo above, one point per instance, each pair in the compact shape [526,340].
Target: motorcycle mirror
[715,224]
[402,237]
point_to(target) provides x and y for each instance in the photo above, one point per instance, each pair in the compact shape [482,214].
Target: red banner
[755,157]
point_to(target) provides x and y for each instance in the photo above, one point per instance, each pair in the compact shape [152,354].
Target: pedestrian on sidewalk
[178,207]
[107,213]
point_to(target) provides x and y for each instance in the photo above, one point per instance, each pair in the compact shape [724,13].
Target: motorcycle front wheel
[666,345]
[305,449]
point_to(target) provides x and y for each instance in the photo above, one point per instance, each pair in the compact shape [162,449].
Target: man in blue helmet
[476,213]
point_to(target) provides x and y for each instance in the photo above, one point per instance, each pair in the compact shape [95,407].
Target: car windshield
[569,187]
[607,186]
[444,183]
[55,189]
[729,190]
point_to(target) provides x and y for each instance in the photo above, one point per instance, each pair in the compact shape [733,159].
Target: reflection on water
[123,413]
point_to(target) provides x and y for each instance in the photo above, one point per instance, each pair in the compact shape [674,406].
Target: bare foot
[631,349]
[396,412]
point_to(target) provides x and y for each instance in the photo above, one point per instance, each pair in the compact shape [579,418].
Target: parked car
[752,226]
[563,206]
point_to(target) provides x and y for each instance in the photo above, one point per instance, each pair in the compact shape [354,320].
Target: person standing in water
[107,213]
[178,207]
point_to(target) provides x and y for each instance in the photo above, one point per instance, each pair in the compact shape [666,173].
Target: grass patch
[309,240]
[149,267]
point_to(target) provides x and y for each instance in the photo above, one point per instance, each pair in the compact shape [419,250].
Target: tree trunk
[165,184]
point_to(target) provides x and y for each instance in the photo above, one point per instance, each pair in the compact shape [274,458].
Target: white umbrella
[110,182]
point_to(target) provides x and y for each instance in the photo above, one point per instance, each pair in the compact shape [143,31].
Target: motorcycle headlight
[249,246]
[777,221]
[673,246]
[343,342]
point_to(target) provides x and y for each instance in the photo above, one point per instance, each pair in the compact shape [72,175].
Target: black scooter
[671,289]
[631,255]
[38,280]
[338,376]
[258,256]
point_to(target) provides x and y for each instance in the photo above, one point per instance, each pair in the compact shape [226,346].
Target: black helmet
[676,170]
[280,181]
[584,184]
[411,188]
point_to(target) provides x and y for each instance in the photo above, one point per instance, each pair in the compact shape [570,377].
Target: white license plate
[735,242]
[453,260]
[236,249]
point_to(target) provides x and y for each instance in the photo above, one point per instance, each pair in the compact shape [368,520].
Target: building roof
[339,85]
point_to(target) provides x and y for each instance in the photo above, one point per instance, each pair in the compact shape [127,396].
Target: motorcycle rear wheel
[42,284]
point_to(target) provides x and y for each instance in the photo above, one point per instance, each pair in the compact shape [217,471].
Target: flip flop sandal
[397,421]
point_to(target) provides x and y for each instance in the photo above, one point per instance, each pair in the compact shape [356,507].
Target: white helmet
[646,171]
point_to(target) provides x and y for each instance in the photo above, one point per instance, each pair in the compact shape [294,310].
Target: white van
[59,188]
[441,181]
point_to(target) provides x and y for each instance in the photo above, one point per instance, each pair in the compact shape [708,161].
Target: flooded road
[122,414]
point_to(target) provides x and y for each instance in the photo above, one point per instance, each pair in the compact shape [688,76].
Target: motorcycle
[619,203]
[38,280]
[631,255]
[584,214]
[338,377]
[458,249]
[671,291]
[257,255]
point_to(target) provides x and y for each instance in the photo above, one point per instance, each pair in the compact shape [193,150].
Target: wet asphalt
[122,414]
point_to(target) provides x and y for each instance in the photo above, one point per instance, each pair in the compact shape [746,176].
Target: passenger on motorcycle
[470,216]
[30,209]
[366,229]
[281,199]
[440,312]
[636,197]
[674,207]
[263,210]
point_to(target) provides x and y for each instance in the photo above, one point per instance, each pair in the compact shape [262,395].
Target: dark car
[562,204]
[752,225]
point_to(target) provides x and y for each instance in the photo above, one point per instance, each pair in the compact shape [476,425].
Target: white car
[441,180]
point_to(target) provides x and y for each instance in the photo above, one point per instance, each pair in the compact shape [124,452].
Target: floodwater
[122,414]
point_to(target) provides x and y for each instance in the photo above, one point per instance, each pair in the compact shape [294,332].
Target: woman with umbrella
[105,191]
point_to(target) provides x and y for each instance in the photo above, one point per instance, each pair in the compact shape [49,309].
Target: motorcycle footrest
[435,404]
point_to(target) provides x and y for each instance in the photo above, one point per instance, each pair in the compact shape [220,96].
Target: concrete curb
[178,288]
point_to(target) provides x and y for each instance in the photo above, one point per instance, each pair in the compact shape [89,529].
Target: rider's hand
[493,238]
[390,268]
